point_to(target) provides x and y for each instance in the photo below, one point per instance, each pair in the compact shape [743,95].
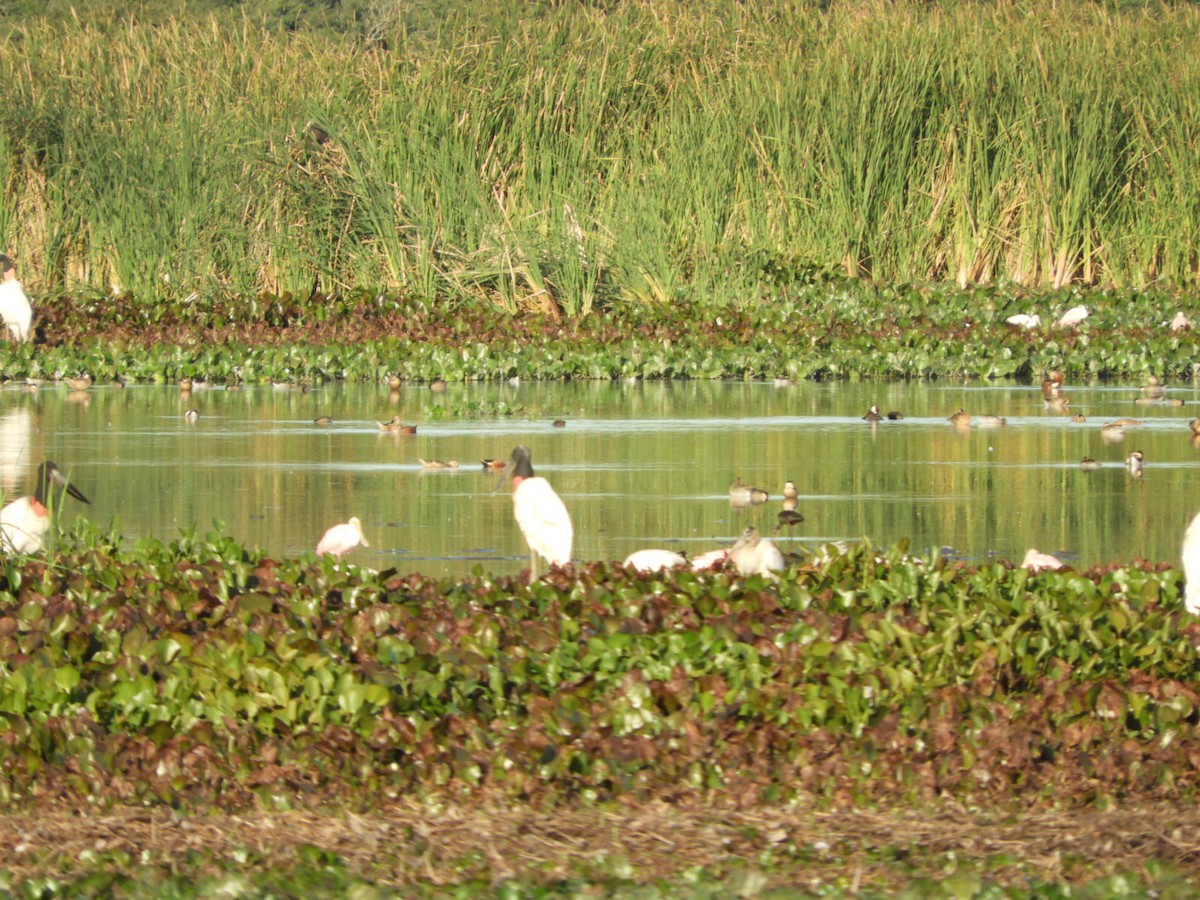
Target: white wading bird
[540,513]
[25,521]
[1073,317]
[1021,320]
[754,554]
[341,539]
[14,305]
[1191,566]
[654,560]
[1035,561]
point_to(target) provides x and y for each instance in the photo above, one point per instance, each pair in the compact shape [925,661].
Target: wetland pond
[638,465]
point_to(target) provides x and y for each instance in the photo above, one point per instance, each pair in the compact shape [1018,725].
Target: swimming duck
[438,385]
[873,415]
[82,383]
[1088,464]
[1135,462]
[395,383]
[895,416]
[438,463]
[1079,418]
[395,426]
[493,465]
[1153,389]
[323,420]
[746,495]
[992,421]
[191,416]
[960,419]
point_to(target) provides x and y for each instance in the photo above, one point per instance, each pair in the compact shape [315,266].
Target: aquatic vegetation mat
[202,677]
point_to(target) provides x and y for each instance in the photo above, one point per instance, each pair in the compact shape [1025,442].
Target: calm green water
[638,465]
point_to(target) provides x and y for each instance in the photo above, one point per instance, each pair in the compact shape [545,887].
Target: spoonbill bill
[540,513]
[341,539]
[1035,561]
[754,554]
[25,521]
[14,305]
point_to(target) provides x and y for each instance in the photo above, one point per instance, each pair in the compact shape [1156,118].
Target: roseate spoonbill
[654,560]
[540,513]
[14,305]
[1035,561]
[741,494]
[754,554]
[25,521]
[341,539]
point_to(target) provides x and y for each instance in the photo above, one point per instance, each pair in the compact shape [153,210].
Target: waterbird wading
[540,513]
[14,305]
[341,539]
[25,521]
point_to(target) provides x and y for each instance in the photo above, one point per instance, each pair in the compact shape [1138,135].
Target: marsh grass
[562,158]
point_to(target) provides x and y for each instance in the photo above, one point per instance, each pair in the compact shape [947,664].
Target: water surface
[638,465]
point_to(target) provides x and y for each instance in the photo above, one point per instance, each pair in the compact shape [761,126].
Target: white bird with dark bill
[25,521]
[14,305]
[540,513]
[341,539]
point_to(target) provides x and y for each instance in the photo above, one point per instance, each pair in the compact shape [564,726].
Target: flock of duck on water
[539,511]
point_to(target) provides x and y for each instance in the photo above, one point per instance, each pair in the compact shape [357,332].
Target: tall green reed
[565,157]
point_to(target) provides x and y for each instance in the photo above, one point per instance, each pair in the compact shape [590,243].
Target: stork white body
[15,309]
[540,513]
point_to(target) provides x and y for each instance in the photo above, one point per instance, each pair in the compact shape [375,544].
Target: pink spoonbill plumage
[540,513]
[341,539]
[25,521]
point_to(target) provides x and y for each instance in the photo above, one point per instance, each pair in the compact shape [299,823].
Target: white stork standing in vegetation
[540,513]
[14,305]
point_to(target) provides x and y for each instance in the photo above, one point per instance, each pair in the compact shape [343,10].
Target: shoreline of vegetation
[832,329]
[208,679]
[568,158]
